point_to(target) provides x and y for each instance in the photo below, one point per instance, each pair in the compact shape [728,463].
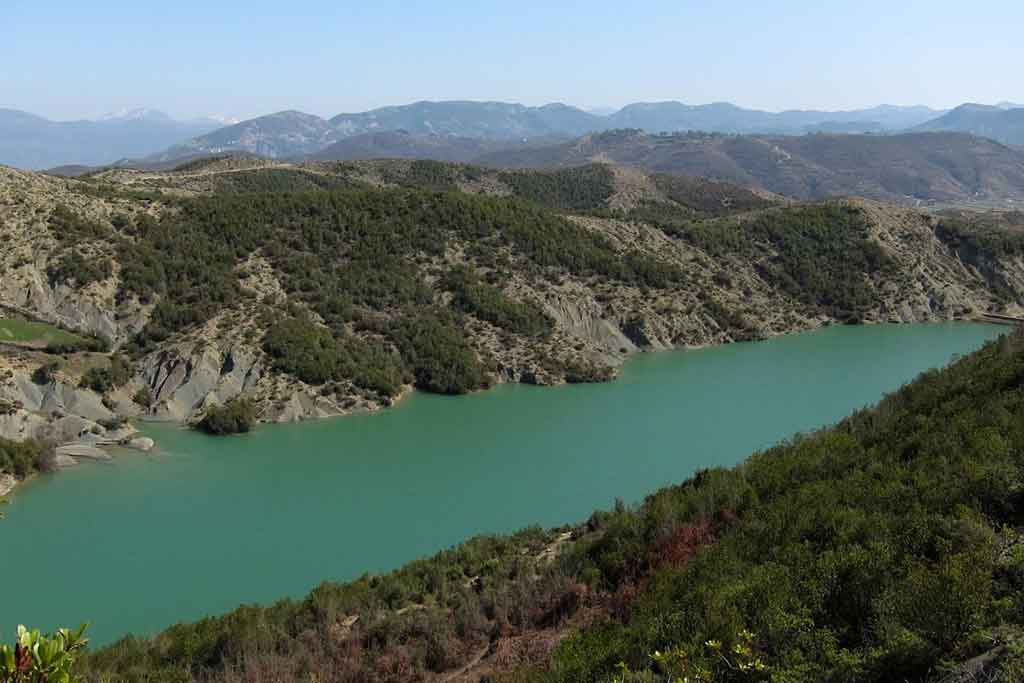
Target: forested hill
[926,167]
[886,548]
[321,289]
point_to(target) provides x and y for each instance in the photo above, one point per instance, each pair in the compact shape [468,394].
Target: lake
[205,524]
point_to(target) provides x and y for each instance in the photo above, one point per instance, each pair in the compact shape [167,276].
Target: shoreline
[408,390]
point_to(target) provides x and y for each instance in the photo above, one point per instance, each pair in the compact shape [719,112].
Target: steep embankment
[332,288]
[885,548]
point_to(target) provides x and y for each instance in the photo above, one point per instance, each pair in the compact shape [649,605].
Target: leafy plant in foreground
[41,658]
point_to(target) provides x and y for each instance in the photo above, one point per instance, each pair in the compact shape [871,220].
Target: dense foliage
[884,548]
[21,458]
[585,188]
[487,302]
[104,379]
[818,254]
[234,417]
[354,258]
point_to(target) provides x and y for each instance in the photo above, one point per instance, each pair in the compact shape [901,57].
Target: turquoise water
[206,524]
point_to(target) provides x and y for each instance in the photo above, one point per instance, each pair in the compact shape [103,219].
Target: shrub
[44,374]
[21,458]
[38,657]
[234,417]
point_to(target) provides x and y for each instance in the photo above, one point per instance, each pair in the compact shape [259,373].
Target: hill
[1002,123]
[929,167]
[486,120]
[280,135]
[33,142]
[331,288]
[400,144]
[723,117]
[884,548]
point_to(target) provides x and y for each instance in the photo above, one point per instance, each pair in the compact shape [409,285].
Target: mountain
[723,117]
[486,120]
[280,135]
[941,167]
[30,141]
[293,134]
[999,123]
[400,144]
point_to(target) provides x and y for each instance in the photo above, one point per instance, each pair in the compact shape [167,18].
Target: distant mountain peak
[136,114]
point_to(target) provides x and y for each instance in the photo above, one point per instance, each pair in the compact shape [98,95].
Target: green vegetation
[586,188]
[276,180]
[39,658]
[21,458]
[72,268]
[143,397]
[438,353]
[44,374]
[234,417]
[315,355]
[885,548]
[16,331]
[822,254]
[101,380]
[353,258]
[993,235]
[425,174]
[486,302]
[708,197]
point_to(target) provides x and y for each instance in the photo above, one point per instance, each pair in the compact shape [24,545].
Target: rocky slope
[717,291]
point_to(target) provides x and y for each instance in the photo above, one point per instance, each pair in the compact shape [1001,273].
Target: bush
[44,374]
[21,458]
[143,397]
[234,417]
[102,380]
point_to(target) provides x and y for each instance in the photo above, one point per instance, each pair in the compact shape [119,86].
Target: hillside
[30,141]
[283,134]
[236,290]
[885,548]
[946,167]
[400,144]
[485,120]
[1002,123]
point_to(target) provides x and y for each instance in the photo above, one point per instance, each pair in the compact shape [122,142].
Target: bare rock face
[57,412]
[7,484]
[184,378]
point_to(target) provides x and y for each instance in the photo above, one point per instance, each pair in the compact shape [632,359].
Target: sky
[68,59]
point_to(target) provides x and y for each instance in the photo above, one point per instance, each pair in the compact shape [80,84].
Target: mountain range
[451,130]
[1003,122]
[938,167]
[292,134]
[30,141]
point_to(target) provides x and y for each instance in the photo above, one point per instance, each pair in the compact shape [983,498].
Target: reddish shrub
[681,545]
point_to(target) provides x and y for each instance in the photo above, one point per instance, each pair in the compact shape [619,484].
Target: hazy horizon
[68,60]
[597,110]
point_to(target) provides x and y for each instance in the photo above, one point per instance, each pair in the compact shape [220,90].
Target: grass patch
[15,331]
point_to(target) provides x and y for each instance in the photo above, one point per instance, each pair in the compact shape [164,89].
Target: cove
[207,524]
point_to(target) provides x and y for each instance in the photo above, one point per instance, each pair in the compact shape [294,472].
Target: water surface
[210,523]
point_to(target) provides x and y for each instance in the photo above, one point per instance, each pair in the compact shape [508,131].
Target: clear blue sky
[67,59]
